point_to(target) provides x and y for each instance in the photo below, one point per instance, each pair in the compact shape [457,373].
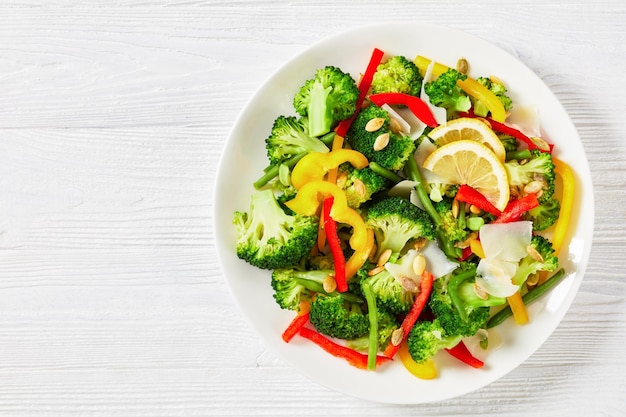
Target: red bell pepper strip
[426,285]
[353,357]
[516,208]
[414,103]
[465,253]
[511,131]
[463,354]
[330,228]
[294,327]
[470,195]
[364,86]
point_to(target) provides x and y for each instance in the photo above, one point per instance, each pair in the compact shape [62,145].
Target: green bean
[328,138]
[413,173]
[382,171]
[373,319]
[528,298]
[524,154]
[272,170]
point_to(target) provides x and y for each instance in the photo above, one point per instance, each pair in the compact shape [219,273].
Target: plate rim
[574,277]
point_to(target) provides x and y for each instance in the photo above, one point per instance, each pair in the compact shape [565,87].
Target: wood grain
[113,116]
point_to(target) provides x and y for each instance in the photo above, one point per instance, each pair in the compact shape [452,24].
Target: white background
[113,116]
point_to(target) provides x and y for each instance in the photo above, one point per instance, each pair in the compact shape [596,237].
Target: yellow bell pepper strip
[425,370]
[330,226]
[561,227]
[332,173]
[470,86]
[364,86]
[315,165]
[518,308]
[331,176]
[567,203]
[477,248]
[321,235]
[307,202]
[357,259]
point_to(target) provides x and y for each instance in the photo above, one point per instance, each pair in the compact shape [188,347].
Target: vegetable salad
[404,212]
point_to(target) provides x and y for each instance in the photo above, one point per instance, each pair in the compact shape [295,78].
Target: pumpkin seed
[381,142]
[374,124]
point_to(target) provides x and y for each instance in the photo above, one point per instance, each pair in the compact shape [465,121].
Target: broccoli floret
[269,238]
[511,144]
[398,149]
[427,338]
[387,324]
[354,284]
[541,257]
[293,286]
[327,98]
[534,175]
[396,284]
[437,191]
[320,260]
[336,317]
[396,221]
[456,305]
[389,293]
[451,228]
[444,92]
[289,292]
[397,75]
[284,194]
[545,214]
[359,184]
[289,137]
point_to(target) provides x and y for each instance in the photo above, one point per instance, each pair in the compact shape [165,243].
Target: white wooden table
[112,119]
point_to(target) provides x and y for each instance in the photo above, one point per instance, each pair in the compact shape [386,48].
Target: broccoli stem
[518,155]
[461,219]
[328,138]
[453,291]
[413,173]
[528,298]
[272,171]
[384,172]
[372,350]
[316,286]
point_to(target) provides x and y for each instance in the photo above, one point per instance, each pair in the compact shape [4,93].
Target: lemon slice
[472,163]
[466,128]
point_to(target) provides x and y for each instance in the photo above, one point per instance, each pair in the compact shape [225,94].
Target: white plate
[244,158]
